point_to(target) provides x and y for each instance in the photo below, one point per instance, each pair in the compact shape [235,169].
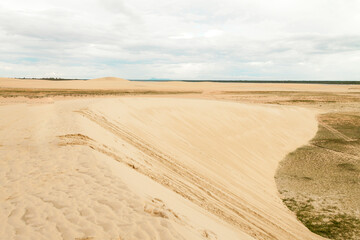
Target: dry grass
[302,98]
[327,220]
[328,170]
[40,93]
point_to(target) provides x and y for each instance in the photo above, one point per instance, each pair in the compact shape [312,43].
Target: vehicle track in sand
[185,181]
[335,132]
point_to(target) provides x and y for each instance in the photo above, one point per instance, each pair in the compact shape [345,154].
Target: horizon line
[313,81]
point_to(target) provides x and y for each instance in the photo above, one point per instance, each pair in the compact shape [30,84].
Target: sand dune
[147,168]
[114,83]
[113,79]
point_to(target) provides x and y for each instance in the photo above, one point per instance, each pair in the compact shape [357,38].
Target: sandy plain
[113,159]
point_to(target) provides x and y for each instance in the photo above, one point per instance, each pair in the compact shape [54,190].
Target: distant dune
[108,79]
[114,83]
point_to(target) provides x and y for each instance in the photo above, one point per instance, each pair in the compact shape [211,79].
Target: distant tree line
[53,78]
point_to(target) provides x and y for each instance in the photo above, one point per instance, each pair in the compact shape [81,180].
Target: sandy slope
[147,168]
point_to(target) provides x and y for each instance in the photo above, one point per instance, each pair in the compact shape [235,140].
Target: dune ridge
[147,168]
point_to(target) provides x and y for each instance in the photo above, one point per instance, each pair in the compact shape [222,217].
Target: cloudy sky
[187,39]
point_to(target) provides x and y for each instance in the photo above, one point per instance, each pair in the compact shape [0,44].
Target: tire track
[336,132]
[190,184]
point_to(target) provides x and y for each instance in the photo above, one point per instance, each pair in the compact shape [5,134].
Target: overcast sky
[187,39]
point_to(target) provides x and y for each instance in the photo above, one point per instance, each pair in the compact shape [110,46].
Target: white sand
[147,168]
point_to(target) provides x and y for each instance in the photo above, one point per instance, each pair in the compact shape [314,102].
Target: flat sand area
[147,167]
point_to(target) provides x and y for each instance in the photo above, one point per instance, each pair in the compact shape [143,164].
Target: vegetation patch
[40,93]
[327,221]
[327,169]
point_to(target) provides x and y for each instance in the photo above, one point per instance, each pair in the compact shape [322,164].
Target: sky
[187,39]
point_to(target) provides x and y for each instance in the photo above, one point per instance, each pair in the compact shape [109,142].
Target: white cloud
[183,36]
[260,63]
[198,39]
[213,33]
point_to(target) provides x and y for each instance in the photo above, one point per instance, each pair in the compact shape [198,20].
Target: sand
[145,167]
[206,87]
